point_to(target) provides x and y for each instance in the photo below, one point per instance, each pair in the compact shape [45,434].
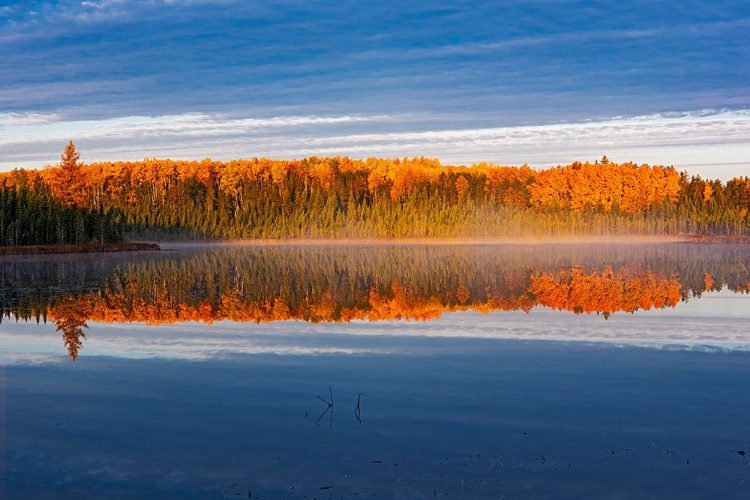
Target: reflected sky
[718,320]
[469,418]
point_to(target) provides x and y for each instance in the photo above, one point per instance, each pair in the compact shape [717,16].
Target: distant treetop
[69,158]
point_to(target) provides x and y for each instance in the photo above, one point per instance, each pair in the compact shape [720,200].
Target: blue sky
[533,81]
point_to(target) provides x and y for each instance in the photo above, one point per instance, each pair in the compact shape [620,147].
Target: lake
[377,371]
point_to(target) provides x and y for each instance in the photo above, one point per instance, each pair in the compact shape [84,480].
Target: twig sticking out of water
[330,404]
[329,408]
[357,410]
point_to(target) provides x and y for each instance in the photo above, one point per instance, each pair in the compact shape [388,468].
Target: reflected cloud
[687,327]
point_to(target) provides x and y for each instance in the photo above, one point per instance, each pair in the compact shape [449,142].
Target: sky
[542,82]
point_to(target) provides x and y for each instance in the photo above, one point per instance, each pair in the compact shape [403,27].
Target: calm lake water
[477,371]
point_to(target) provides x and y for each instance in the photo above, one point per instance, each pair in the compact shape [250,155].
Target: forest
[339,197]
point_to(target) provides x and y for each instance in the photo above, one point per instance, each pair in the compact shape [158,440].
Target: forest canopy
[340,197]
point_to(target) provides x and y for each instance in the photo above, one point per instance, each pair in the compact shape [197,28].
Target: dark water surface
[206,373]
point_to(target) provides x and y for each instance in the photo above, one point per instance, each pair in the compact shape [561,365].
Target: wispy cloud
[25,119]
[115,58]
[39,127]
[582,36]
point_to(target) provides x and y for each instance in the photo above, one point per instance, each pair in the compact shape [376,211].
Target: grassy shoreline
[86,248]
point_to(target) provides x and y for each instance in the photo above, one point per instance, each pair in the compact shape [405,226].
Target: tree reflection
[72,334]
[70,317]
[327,284]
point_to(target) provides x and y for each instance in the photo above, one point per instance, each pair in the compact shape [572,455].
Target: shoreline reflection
[340,285]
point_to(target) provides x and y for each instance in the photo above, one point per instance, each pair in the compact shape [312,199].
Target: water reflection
[524,420]
[469,406]
[342,284]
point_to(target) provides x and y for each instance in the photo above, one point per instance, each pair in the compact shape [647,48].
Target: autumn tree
[69,158]
[67,182]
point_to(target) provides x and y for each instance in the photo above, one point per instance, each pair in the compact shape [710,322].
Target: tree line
[339,197]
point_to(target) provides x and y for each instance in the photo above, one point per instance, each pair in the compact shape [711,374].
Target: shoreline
[87,248]
[468,241]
